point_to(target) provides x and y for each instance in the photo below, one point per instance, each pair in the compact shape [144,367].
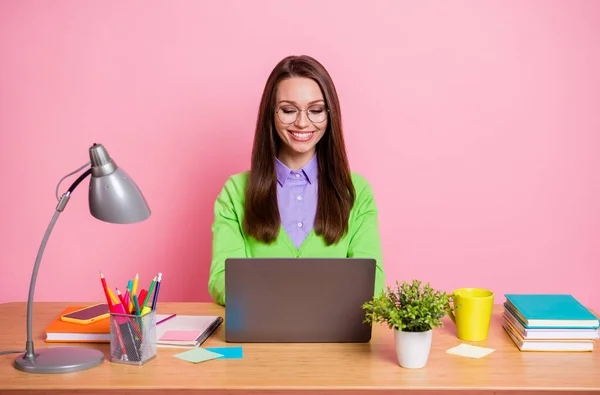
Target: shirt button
[297,175]
[299,198]
[299,224]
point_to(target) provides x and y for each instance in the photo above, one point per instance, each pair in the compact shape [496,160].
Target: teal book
[551,311]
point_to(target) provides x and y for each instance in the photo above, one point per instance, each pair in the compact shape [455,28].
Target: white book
[550,333]
[547,344]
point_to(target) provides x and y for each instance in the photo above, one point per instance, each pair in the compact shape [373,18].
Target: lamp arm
[29,353]
[78,180]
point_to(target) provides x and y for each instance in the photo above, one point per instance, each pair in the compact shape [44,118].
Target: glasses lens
[317,113]
[287,114]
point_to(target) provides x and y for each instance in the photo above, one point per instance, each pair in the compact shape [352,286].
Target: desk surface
[314,368]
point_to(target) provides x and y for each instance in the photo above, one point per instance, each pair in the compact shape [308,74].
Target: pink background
[477,123]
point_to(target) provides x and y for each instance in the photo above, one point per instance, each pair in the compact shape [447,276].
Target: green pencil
[136,305]
[149,292]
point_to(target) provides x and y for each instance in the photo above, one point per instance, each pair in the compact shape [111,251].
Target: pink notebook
[181,336]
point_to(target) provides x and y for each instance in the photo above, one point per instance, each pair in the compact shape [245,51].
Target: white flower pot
[412,348]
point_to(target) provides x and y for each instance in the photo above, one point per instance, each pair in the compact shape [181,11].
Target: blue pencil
[156,291]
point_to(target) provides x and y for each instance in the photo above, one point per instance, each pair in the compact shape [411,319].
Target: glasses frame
[298,114]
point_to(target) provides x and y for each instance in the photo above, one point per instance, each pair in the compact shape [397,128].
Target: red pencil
[121,297]
[105,287]
[142,296]
[111,307]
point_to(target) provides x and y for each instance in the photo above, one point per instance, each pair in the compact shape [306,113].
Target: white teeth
[302,135]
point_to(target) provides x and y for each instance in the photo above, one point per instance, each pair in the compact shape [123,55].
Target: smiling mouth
[301,136]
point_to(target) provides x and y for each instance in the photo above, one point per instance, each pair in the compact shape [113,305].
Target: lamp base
[60,360]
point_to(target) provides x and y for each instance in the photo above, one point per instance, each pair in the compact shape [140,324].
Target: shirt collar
[310,170]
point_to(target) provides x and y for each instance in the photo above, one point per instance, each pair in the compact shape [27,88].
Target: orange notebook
[61,331]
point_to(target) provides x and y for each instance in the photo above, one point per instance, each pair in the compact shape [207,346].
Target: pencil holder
[133,338]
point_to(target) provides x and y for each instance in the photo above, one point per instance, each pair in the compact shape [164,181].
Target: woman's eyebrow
[293,102]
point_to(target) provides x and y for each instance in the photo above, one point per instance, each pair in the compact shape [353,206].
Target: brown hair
[336,191]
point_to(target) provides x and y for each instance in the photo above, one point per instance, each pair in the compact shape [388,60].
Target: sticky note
[197,355]
[467,350]
[180,336]
[228,352]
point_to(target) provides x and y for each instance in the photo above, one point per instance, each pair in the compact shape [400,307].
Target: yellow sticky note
[467,350]
[197,355]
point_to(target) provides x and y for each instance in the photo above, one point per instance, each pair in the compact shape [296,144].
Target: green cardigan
[230,240]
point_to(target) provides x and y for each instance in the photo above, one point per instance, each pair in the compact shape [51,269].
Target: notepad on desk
[185,331]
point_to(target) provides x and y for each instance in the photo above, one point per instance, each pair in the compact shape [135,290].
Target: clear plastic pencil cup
[133,338]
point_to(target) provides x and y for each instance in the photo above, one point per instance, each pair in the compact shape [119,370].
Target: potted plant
[412,310]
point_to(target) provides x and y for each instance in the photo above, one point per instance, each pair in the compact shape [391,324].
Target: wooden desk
[308,368]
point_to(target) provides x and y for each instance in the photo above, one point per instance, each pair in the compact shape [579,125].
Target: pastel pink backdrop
[476,122]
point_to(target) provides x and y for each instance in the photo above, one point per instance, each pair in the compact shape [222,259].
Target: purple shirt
[297,199]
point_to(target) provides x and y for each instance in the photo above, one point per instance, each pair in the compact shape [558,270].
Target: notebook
[67,332]
[186,331]
[550,310]
[546,344]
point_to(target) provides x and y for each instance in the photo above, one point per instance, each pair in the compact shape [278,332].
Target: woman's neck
[295,161]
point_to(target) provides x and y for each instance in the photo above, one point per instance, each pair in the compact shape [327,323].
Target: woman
[299,198]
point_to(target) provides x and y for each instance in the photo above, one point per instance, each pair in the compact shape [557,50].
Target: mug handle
[450,313]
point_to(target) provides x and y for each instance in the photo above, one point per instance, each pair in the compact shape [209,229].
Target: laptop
[297,300]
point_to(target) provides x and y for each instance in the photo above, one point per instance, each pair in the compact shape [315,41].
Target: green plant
[409,307]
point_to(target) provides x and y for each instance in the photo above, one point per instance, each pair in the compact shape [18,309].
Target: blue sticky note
[228,352]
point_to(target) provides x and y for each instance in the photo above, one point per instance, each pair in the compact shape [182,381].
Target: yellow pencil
[113,297]
[133,291]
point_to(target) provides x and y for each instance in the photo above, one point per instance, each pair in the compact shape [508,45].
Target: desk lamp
[113,197]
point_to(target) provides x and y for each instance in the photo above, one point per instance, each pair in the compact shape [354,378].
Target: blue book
[550,311]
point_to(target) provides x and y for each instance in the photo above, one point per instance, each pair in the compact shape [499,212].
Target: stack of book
[549,322]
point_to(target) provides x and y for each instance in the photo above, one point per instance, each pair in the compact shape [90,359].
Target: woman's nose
[302,120]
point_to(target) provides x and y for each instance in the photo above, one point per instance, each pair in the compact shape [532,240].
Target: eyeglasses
[316,113]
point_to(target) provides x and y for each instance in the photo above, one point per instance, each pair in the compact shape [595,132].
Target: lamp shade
[114,197]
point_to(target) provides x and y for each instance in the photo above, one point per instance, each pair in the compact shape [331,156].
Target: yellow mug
[472,313]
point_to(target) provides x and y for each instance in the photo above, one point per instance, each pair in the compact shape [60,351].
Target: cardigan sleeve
[227,240]
[365,239]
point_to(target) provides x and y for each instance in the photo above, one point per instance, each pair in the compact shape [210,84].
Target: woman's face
[300,118]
